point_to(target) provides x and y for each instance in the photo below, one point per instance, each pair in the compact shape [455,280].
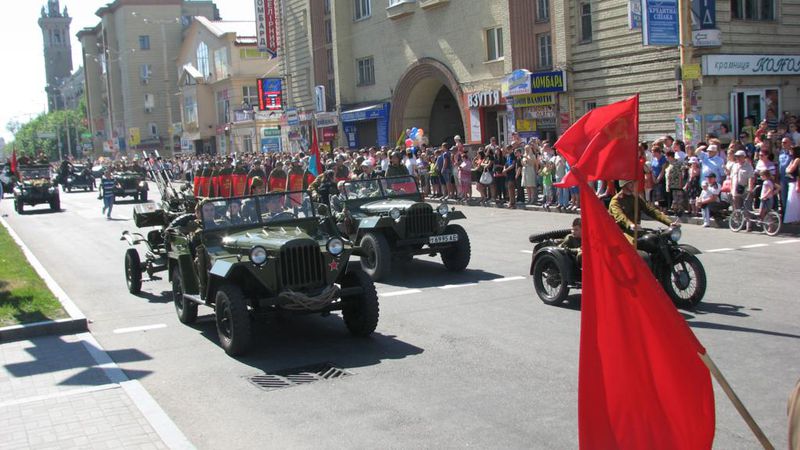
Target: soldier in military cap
[623,207]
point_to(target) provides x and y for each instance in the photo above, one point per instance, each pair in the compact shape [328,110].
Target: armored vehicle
[35,187]
[130,183]
[79,177]
[247,257]
[387,218]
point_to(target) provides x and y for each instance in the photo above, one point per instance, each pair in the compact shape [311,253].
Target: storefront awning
[370,112]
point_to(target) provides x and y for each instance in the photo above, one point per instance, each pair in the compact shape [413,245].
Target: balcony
[401,9]
[430,4]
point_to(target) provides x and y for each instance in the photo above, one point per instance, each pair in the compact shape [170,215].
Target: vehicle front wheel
[55,204]
[143,196]
[737,220]
[186,309]
[133,271]
[456,258]
[360,312]
[233,320]
[549,279]
[686,281]
[377,259]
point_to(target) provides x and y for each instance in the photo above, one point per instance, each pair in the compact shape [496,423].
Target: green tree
[26,135]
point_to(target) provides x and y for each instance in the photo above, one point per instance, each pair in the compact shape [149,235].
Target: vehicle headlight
[119,185]
[443,209]
[141,184]
[70,180]
[51,190]
[394,213]
[675,234]
[335,246]
[258,255]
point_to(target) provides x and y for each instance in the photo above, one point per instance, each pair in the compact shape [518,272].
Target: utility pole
[685,48]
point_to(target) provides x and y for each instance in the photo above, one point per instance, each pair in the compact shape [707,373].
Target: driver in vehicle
[272,206]
[233,216]
[210,217]
[622,209]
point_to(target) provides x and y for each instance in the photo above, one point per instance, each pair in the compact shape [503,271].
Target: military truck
[247,257]
[130,183]
[35,187]
[387,218]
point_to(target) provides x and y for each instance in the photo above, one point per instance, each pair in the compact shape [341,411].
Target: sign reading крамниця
[752,65]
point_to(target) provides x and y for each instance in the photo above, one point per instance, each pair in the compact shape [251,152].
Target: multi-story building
[219,66]
[389,65]
[131,81]
[72,89]
[57,51]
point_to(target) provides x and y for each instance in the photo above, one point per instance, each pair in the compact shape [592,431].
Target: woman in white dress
[793,193]
[530,171]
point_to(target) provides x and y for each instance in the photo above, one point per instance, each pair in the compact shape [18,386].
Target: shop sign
[269,94]
[540,112]
[267,115]
[634,14]
[548,82]
[243,115]
[351,132]
[267,132]
[328,134]
[522,101]
[743,65]
[474,126]
[704,14]
[526,125]
[271,144]
[660,22]
[305,116]
[690,71]
[707,38]
[517,83]
[483,98]
[291,117]
[380,111]
[267,26]
[326,119]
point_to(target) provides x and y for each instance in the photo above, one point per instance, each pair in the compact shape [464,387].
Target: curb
[76,323]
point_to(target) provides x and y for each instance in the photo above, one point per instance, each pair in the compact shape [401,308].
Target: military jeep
[387,218]
[35,187]
[130,184]
[79,177]
[247,257]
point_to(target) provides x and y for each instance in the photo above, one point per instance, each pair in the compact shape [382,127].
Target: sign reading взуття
[751,65]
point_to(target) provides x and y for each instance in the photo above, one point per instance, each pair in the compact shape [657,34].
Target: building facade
[219,66]
[131,80]
[55,24]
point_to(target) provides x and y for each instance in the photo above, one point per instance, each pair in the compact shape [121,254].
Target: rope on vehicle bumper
[300,302]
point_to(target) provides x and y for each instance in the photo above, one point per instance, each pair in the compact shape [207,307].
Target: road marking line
[141,328]
[69,393]
[399,293]
[530,252]
[790,241]
[454,286]
[754,246]
[503,280]
[717,250]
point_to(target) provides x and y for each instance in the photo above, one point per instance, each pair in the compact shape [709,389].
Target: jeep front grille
[420,220]
[302,266]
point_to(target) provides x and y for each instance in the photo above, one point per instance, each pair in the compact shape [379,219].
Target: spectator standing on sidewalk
[675,183]
[107,192]
[741,178]
[657,165]
[793,188]
[530,172]
[784,159]
[712,162]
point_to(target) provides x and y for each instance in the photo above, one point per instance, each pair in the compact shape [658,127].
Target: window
[586,22]
[362,9]
[589,105]
[189,110]
[58,37]
[202,60]
[223,107]
[250,95]
[247,143]
[144,42]
[542,10]
[149,103]
[494,44]
[753,9]
[145,72]
[327,6]
[330,91]
[152,128]
[545,51]
[328,32]
[221,69]
[366,71]
[329,53]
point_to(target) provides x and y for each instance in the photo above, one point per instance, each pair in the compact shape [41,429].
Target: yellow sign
[524,125]
[134,136]
[691,71]
[522,101]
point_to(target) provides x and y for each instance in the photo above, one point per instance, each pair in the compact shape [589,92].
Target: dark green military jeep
[249,256]
[34,187]
[130,184]
[386,218]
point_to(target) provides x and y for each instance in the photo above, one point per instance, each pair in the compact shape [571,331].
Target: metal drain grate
[295,377]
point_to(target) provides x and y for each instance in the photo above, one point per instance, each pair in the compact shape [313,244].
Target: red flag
[315,160]
[14,161]
[603,144]
[641,382]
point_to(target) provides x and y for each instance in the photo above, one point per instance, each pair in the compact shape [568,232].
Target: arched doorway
[428,96]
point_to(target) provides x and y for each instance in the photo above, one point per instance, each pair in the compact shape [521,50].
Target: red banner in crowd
[239,181]
[277,184]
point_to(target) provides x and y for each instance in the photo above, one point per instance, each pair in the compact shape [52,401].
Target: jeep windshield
[33,173]
[381,188]
[258,210]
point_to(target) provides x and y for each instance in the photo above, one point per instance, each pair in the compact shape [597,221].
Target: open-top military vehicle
[246,257]
[35,187]
[387,218]
[130,183]
[79,177]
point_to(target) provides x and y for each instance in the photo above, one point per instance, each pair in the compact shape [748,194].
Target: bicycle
[771,224]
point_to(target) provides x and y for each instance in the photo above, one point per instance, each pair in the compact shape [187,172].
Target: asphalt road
[471,359]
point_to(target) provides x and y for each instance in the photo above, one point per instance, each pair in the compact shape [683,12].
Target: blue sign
[548,82]
[634,14]
[660,22]
[518,83]
[351,132]
[380,111]
[271,144]
[704,15]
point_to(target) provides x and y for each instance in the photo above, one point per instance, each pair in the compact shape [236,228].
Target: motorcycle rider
[622,208]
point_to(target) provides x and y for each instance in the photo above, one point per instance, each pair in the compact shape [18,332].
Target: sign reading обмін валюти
[753,65]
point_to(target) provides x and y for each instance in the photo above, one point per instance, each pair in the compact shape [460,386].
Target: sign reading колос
[739,65]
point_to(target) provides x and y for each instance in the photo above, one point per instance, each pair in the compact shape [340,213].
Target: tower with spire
[57,51]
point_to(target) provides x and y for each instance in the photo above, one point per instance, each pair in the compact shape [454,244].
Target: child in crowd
[547,183]
[768,192]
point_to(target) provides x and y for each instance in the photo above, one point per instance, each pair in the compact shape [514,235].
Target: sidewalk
[57,392]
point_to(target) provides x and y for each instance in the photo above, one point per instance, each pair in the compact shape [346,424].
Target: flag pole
[636,219]
[737,403]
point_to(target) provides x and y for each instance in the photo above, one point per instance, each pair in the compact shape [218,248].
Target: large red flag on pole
[600,143]
[14,161]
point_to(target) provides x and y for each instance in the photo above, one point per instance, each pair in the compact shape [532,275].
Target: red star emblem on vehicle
[333,265]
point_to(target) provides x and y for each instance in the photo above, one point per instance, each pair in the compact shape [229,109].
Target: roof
[193,72]
[241,28]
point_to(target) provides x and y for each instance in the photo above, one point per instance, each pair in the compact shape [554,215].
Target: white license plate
[131,191]
[443,239]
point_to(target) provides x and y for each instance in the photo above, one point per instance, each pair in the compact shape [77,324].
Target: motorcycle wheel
[548,279]
[686,281]
[737,220]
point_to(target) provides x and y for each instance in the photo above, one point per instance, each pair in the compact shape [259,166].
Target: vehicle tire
[133,271]
[91,188]
[688,286]
[19,206]
[135,197]
[772,223]
[737,220]
[69,189]
[186,309]
[377,261]
[233,320]
[549,279]
[456,258]
[360,312]
[55,203]
[143,196]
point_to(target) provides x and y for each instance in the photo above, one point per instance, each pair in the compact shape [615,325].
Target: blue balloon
[414,133]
